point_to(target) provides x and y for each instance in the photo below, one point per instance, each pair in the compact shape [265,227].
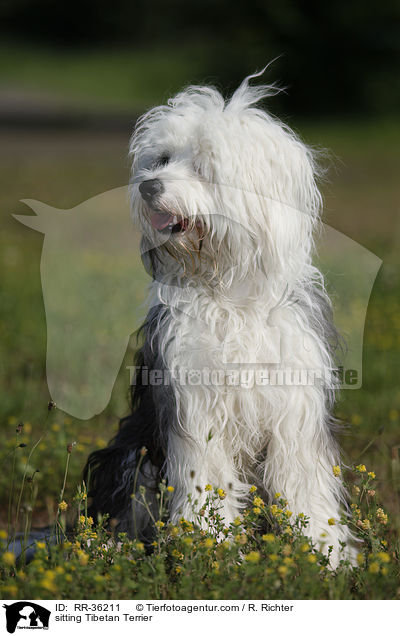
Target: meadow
[37,445]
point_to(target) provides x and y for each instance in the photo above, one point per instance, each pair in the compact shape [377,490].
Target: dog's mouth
[168,223]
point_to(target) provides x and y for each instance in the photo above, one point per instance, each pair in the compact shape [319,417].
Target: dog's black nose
[150,188]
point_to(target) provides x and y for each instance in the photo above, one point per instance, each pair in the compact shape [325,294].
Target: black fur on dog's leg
[111,473]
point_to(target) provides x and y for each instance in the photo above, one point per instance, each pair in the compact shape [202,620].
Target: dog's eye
[162,161]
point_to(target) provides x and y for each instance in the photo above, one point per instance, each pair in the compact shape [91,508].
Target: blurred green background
[73,79]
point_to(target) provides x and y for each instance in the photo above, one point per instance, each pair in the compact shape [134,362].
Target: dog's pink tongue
[160,220]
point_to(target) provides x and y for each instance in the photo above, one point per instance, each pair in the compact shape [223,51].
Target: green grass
[65,169]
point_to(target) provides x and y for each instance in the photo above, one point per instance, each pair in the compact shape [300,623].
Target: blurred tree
[334,56]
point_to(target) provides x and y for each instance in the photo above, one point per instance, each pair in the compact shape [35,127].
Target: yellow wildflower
[336,471]
[10,590]
[252,557]
[361,468]
[374,568]
[283,570]
[139,545]
[62,505]
[170,488]
[312,558]
[159,524]
[209,543]
[253,489]
[384,557]
[371,474]
[331,521]
[382,516]
[221,493]
[257,501]
[8,559]
[3,534]
[268,538]
[83,557]
[305,547]
[277,495]
[208,488]
[257,511]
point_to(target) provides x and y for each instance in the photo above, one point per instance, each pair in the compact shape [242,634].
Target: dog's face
[222,185]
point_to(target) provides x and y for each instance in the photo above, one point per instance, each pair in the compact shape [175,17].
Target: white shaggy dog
[227,201]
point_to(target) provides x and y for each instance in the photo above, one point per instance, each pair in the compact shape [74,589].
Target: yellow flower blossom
[159,524]
[253,489]
[8,559]
[252,557]
[257,501]
[382,516]
[139,545]
[371,474]
[209,543]
[170,488]
[62,506]
[331,521]
[384,557]
[3,534]
[336,471]
[312,558]
[208,488]
[374,568]
[268,538]
[305,547]
[283,570]
[257,511]
[361,468]
[221,493]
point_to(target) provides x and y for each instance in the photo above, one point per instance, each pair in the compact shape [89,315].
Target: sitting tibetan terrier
[235,379]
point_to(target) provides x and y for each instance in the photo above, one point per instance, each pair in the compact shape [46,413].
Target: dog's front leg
[191,466]
[299,464]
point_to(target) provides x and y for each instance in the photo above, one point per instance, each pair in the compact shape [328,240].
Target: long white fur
[251,182]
